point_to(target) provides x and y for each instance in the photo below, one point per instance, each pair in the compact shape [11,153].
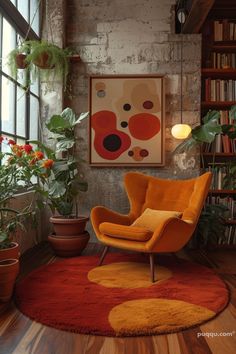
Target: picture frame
[126,120]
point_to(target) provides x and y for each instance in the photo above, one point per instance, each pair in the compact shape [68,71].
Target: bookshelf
[219,93]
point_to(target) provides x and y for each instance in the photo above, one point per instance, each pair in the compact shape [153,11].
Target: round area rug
[118,299]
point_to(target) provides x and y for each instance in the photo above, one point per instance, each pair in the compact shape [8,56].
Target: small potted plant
[64,185]
[42,58]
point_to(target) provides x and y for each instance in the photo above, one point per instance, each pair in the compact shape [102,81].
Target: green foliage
[211,228]
[65,183]
[44,59]
[207,131]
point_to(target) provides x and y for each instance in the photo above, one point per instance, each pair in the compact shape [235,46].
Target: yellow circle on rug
[155,316]
[127,275]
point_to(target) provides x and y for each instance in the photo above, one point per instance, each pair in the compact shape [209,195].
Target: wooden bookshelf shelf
[219,73]
[218,154]
[222,191]
[217,104]
[230,222]
[224,46]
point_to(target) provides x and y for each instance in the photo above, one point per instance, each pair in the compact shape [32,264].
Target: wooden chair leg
[104,252]
[152,269]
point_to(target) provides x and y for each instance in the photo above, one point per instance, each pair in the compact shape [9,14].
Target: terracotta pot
[20,61]
[68,227]
[69,246]
[9,268]
[42,61]
[10,253]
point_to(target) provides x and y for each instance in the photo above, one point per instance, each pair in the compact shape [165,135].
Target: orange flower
[39,155]
[17,150]
[48,163]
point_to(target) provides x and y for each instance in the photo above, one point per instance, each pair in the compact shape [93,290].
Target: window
[19,107]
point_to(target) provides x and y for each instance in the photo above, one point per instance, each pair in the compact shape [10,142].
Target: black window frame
[9,12]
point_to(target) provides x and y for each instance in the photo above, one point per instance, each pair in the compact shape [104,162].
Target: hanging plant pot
[9,268]
[20,61]
[11,252]
[42,61]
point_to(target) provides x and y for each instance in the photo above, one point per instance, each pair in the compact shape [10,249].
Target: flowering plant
[18,167]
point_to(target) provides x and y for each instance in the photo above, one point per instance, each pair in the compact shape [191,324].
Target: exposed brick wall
[130,37]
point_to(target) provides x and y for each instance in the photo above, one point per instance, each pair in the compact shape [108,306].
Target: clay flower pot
[69,246]
[9,268]
[69,238]
[10,253]
[42,61]
[68,227]
[20,61]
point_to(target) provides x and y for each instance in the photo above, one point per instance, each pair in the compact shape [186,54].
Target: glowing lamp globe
[181,131]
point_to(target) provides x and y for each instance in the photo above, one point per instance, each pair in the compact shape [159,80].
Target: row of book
[222,143]
[223,60]
[220,90]
[220,176]
[229,237]
[224,30]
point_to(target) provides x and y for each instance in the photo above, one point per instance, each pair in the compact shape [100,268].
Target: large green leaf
[185,146]
[232,113]
[65,144]
[78,185]
[3,236]
[57,123]
[57,189]
[82,117]
[211,116]
[207,132]
[69,116]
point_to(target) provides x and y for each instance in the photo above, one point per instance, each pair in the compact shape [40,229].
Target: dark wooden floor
[20,335]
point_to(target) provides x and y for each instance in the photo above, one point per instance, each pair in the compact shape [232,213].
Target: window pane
[34,15]
[34,87]
[34,117]
[20,112]
[7,111]
[8,43]
[23,7]
[13,1]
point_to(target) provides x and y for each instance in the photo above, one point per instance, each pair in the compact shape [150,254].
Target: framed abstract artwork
[126,120]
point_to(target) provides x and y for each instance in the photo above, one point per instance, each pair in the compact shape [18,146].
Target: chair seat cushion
[150,218]
[125,232]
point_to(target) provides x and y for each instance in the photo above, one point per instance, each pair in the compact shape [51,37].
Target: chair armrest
[101,214]
[170,235]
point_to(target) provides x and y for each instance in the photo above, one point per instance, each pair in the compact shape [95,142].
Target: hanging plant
[43,59]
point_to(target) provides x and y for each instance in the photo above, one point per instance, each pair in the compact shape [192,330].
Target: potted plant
[64,185]
[17,167]
[211,224]
[42,58]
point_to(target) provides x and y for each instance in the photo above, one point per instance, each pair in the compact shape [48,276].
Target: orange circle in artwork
[100,86]
[144,126]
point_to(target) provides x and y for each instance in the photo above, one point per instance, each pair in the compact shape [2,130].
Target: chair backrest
[186,196]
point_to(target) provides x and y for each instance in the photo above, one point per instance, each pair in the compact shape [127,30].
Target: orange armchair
[170,233]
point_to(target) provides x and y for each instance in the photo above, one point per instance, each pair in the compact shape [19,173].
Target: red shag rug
[118,299]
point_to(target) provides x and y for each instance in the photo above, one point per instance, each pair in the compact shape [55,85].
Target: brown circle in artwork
[148,104]
[144,153]
[130,153]
[100,86]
